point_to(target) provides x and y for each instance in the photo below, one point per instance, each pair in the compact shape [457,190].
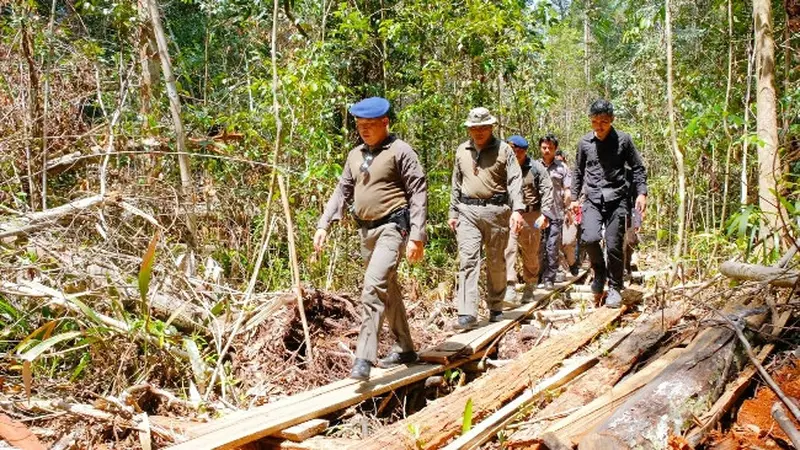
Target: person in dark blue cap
[386,185]
[537,195]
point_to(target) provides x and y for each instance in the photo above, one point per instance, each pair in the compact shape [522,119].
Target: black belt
[496,199]
[400,217]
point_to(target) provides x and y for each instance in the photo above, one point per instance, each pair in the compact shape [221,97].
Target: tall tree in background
[766,114]
[676,151]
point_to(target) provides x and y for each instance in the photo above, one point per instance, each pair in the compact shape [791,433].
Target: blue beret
[370,108]
[519,141]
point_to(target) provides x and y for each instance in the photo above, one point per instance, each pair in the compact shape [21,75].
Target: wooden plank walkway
[247,426]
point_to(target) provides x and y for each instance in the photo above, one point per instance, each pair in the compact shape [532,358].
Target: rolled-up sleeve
[342,195]
[416,186]
[514,181]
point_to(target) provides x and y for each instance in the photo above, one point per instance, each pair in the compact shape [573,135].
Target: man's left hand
[415,250]
[516,222]
[641,204]
[541,222]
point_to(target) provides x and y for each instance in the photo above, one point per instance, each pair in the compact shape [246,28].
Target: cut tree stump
[669,403]
[602,378]
[441,420]
[773,275]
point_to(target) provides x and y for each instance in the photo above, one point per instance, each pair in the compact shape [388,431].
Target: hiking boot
[495,316]
[466,322]
[548,285]
[613,299]
[560,277]
[511,293]
[397,358]
[598,284]
[361,368]
[527,293]
[574,270]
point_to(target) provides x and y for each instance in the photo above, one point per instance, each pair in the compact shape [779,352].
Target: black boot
[361,368]
[397,358]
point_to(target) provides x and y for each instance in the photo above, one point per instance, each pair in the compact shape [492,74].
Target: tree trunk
[187,190]
[728,86]
[746,140]
[676,152]
[769,171]
[33,111]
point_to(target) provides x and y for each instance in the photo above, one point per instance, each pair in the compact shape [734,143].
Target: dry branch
[36,221]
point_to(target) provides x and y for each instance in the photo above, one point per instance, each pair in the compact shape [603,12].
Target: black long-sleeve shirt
[600,165]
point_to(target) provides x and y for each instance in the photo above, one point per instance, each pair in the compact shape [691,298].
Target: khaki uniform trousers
[381,249]
[481,226]
[527,241]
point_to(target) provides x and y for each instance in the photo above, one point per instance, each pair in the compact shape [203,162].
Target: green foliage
[466,418]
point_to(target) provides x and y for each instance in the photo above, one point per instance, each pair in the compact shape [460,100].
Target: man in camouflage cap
[486,199]
[385,182]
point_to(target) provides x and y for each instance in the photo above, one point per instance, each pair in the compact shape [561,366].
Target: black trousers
[611,216]
[551,246]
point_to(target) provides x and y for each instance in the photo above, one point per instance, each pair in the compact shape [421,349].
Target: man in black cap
[600,164]
[485,201]
[385,182]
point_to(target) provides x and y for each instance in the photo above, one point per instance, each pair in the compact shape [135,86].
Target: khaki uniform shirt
[482,174]
[537,189]
[393,180]
[561,177]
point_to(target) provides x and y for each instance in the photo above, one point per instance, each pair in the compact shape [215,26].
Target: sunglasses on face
[368,157]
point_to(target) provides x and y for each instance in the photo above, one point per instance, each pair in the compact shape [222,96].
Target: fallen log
[570,430]
[36,221]
[668,403]
[773,275]
[441,420]
[602,378]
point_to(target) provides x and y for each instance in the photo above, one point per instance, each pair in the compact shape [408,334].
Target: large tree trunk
[769,171]
[148,54]
[676,151]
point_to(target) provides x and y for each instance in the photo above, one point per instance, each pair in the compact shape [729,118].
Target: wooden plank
[649,331]
[305,430]
[441,420]
[572,427]
[735,390]
[490,426]
[247,426]
[469,342]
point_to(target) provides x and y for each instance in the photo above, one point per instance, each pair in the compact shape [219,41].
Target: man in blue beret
[537,194]
[386,185]
[485,201]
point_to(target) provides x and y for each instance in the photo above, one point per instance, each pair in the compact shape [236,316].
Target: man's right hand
[319,239]
[452,223]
